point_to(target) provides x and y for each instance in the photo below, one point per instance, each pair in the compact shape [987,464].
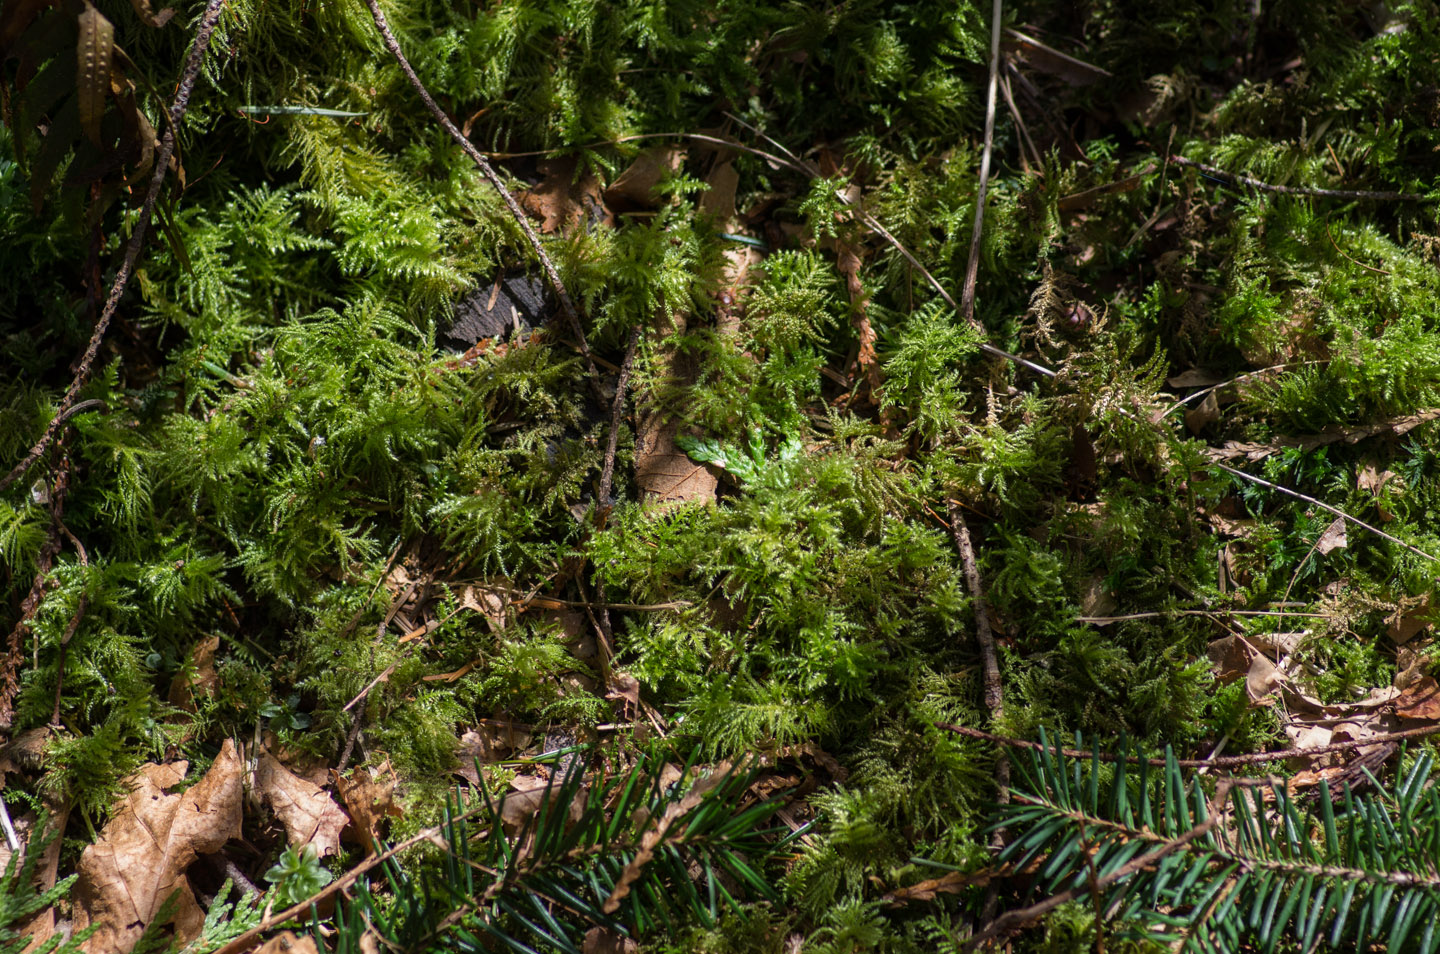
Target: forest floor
[647,477]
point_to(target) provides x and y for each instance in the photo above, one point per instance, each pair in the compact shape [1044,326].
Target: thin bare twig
[1326,507]
[137,241]
[617,411]
[994,691]
[1228,761]
[1235,179]
[972,265]
[572,316]
[984,635]
[1198,395]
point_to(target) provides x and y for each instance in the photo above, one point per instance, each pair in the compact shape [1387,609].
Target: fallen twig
[972,264]
[137,241]
[488,171]
[1236,179]
[1326,507]
[617,411]
[1228,761]
[994,691]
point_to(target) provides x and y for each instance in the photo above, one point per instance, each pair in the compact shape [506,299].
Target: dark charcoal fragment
[489,311]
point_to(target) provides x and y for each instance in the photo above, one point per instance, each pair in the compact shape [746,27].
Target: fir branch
[1226,761]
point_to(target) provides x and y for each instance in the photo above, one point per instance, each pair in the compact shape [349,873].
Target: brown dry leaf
[309,814]
[41,925]
[563,202]
[634,188]
[1333,538]
[1230,657]
[1097,600]
[952,883]
[524,798]
[488,604]
[741,261]
[1194,378]
[601,940]
[719,201]
[665,473]
[1203,414]
[25,752]
[848,261]
[141,856]
[1411,616]
[369,798]
[1047,59]
[624,686]
[199,677]
[1372,478]
[1262,678]
[1419,700]
[1395,426]
[492,739]
[286,942]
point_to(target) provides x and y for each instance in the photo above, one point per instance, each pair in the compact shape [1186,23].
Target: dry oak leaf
[603,940]
[310,816]
[369,799]
[664,472]
[1419,700]
[286,942]
[561,201]
[634,188]
[143,851]
[199,677]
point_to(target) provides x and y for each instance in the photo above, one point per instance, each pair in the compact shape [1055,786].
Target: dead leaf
[1097,600]
[562,201]
[952,883]
[719,201]
[488,604]
[198,678]
[624,686]
[634,188]
[1203,414]
[1411,616]
[1261,678]
[664,473]
[286,942]
[1395,426]
[1230,657]
[309,814]
[490,740]
[1194,378]
[1046,59]
[524,798]
[369,798]
[601,940]
[1419,700]
[25,752]
[1333,538]
[143,851]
